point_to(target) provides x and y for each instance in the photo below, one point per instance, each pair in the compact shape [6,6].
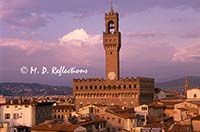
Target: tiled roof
[124,114]
[195,102]
[183,109]
[55,126]
[180,128]
[156,104]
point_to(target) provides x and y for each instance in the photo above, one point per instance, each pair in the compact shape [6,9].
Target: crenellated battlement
[88,79]
[125,79]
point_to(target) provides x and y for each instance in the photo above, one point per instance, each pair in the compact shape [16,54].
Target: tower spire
[186,85]
[111,7]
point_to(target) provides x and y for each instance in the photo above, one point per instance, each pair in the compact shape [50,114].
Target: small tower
[112,44]
[186,85]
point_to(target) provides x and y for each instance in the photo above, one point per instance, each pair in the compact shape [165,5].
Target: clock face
[111,76]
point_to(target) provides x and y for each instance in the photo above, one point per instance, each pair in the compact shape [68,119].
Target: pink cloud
[80,48]
[80,37]
[192,35]
[187,54]
[144,34]
[21,14]
[28,46]
[75,48]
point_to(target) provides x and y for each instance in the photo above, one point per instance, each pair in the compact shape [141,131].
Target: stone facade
[113,90]
[62,111]
[125,92]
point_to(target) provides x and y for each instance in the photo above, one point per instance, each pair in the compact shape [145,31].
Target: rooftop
[156,105]
[196,117]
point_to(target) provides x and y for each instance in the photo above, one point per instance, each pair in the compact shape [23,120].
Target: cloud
[76,47]
[191,35]
[33,14]
[28,46]
[187,54]
[21,14]
[27,20]
[144,34]
[149,51]
[77,37]
[80,37]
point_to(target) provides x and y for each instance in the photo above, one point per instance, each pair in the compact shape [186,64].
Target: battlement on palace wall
[102,84]
[125,79]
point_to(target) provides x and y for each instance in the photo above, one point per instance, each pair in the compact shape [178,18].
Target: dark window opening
[111,27]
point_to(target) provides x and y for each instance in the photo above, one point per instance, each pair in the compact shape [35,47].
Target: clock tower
[112,44]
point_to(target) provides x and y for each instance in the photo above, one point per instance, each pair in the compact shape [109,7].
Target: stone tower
[113,90]
[112,44]
[186,85]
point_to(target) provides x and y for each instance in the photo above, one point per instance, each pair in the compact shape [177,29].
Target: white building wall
[142,109]
[193,94]
[25,116]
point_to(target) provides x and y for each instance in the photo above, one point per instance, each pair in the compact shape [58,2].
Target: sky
[160,39]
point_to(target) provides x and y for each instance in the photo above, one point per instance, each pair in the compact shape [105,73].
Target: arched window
[195,95]
[111,27]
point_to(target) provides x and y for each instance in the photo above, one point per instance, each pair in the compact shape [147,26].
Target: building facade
[24,113]
[62,111]
[193,94]
[196,123]
[127,92]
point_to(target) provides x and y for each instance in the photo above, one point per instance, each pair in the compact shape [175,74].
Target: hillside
[35,89]
[32,89]
[178,84]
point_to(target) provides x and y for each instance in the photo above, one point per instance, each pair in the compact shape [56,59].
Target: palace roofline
[121,79]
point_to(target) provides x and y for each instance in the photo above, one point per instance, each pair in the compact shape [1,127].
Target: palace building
[113,90]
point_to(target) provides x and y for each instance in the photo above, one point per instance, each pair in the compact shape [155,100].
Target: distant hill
[178,84]
[35,89]
[32,89]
